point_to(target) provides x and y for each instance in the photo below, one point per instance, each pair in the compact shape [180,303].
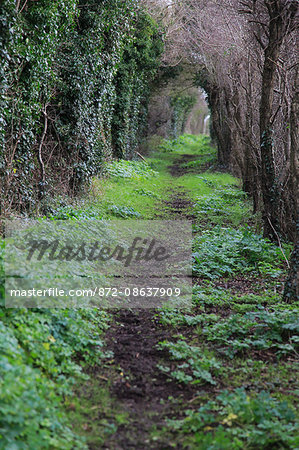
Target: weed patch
[239,420]
[198,365]
[260,330]
[226,251]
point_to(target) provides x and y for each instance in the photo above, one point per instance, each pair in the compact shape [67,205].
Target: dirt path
[178,168]
[140,388]
[131,395]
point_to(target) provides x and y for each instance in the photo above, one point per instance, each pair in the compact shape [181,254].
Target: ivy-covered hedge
[181,108]
[74,86]
[136,70]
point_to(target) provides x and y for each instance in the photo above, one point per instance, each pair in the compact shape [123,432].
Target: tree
[246,55]
[291,291]
[271,23]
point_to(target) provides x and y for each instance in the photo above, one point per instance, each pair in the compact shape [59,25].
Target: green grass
[188,144]
[93,399]
[206,183]
[142,196]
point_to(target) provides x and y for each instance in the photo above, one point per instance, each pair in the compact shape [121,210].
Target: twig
[23,7]
[140,156]
[194,398]
[15,147]
[279,243]
[278,65]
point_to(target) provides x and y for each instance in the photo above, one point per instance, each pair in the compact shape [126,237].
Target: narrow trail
[177,169]
[143,395]
[140,388]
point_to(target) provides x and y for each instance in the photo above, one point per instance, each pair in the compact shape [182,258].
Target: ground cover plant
[226,251]
[43,354]
[239,420]
[218,374]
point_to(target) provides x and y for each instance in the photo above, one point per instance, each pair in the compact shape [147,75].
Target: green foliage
[207,295]
[146,193]
[187,144]
[236,420]
[226,251]
[177,318]
[87,83]
[261,330]
[136,69]
[30,412]
[125,212]
[29,44]
[223,205]
[129,169]
[70,213]
[195,166]
[81,70]
[198,366]
[38,349]
[42,354]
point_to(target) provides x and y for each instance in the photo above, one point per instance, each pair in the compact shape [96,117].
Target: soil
[177,169]
[141,389]
[179,206]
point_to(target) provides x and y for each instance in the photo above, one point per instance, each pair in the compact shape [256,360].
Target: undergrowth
[227,251]
[235,344]
[43,353]
[238,420]
[187,144]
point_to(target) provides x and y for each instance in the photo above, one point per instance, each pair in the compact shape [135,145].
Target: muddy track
[179,205]
[140,388]
[178,168]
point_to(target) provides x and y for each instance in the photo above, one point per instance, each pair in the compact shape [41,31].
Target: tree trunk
[220,128]
[291,291]
[270,191]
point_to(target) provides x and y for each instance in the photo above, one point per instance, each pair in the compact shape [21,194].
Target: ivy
[74,87]
[182,106]
[137,68]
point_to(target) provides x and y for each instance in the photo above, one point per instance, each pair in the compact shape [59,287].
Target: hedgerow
[74,87]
